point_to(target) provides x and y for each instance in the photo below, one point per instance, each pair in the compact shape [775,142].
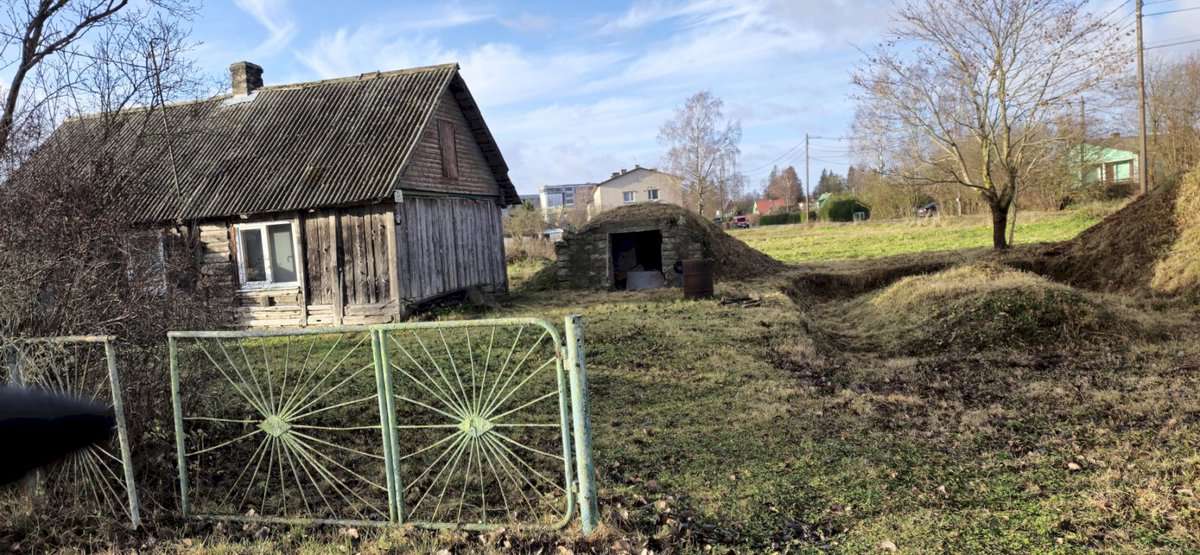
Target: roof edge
[280,87]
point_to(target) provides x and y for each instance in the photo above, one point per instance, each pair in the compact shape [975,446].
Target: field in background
[827,242]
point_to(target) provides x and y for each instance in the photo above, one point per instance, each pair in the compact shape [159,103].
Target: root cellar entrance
[636,260]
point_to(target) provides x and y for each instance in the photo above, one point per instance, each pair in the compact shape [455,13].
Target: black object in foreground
[40,427]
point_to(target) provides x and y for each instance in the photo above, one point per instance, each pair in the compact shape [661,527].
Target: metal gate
[100,478]
[473,424]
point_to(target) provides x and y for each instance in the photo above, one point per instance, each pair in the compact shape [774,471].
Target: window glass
[283,260]
[652,194]
[629,196]
[252,255]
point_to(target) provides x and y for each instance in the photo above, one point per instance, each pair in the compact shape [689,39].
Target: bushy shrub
[778,219]
[841,208]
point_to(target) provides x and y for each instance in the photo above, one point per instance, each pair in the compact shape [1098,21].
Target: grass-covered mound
[1150,245]
[732,259]
[1178,271]
[976,307]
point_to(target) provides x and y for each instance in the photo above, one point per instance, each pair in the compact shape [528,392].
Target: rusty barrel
[697,279]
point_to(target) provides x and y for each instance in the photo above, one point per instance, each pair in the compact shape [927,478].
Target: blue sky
[575,90]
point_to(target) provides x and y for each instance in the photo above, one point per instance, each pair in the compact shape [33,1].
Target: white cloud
[644,13]
[274,17]
[577,113]
[498,73]
[528,23]
[445,16]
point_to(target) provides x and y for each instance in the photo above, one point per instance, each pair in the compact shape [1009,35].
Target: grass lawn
[825,242]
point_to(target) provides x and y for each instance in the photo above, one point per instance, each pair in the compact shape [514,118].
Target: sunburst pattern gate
[473,424]
[97,480]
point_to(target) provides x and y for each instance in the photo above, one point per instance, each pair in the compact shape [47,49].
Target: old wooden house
[343,201]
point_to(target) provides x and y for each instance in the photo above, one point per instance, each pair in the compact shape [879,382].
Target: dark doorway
[639,251]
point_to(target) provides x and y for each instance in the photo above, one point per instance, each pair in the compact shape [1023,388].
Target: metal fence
[98,480]
[473,424]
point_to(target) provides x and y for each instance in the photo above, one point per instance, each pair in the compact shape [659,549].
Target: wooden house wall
[347,250]
[424,170]
[447,244]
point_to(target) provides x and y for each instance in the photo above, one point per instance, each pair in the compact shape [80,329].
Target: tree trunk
[999,225]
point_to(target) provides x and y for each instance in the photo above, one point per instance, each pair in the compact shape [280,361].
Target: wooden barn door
[447,244]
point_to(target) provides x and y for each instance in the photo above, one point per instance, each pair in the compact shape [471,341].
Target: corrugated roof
[287,147]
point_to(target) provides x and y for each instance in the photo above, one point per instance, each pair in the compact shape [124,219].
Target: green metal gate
[473,424]
[100,478]
[280,426]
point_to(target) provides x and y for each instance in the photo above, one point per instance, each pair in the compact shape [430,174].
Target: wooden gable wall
[424,170]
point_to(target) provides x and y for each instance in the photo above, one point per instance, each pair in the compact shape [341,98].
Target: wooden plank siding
[346,270]
[447,244]
[424,171]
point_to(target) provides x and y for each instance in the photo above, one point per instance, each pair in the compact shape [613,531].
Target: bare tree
[731,184]
[70,260]
[702,148]
[45,45]
[1173,98]
[784,184]
[981,81]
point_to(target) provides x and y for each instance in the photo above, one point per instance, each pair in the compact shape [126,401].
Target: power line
[1171,11]
[776,160]
[1169,44]
[1114,10]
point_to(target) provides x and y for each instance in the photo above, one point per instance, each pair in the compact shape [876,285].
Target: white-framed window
[266,255]
[630,196]
[651,194]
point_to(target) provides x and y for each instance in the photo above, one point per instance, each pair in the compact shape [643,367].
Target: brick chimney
[246,77]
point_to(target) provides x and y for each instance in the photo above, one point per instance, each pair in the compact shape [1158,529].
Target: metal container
[697,279]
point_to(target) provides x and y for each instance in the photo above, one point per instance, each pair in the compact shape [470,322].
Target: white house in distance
[636,186]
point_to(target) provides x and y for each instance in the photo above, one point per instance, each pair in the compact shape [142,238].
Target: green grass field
[827,242]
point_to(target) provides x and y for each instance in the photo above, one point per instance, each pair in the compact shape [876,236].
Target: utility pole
[1082,137]
[807,177]
[1143,158]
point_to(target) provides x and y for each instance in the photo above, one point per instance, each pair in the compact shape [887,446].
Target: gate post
[387,421]
[589,512]
[114,381]
[177,410]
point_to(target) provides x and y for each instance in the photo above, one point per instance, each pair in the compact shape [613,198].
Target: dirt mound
[583,257]
[979,306]
[1153,244]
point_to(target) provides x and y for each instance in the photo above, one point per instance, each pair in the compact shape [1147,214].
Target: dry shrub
[529,248]
[982,306]
[72,264]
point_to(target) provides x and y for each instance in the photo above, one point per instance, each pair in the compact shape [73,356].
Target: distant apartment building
[554,200]
[636,186]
